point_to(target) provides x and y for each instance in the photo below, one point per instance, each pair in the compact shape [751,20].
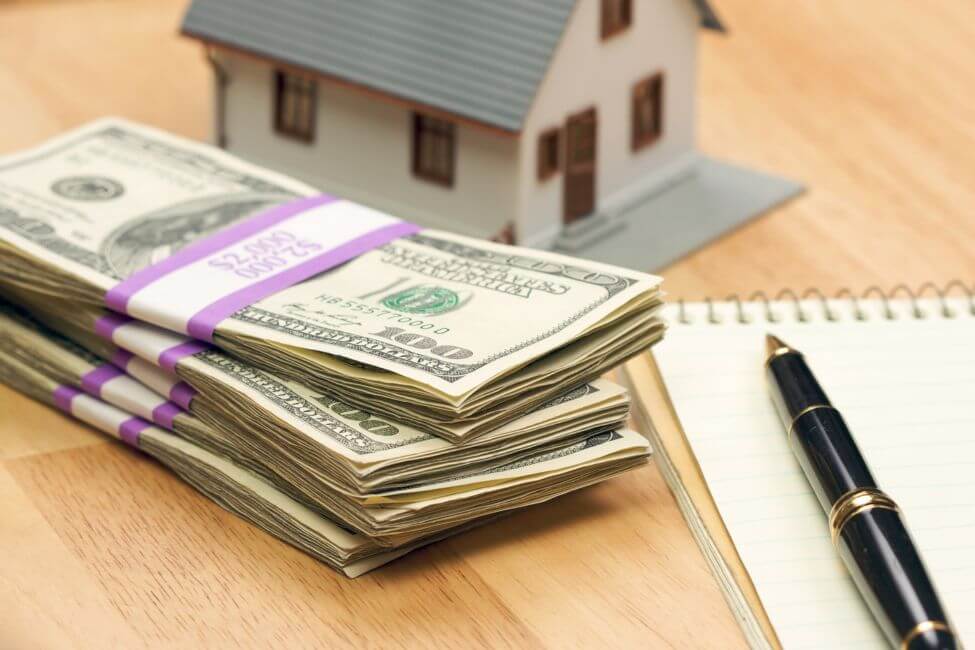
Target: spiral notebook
[901,369]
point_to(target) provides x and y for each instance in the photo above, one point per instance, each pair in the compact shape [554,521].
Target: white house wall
[587,71]
[362,151]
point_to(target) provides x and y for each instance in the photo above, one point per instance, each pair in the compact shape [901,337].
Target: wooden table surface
[870,103]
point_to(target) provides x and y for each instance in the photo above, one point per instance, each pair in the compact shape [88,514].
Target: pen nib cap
[773,343]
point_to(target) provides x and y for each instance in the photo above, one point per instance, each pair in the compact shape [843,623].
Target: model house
[523,118]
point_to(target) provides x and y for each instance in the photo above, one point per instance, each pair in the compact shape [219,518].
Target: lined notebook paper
[905,382]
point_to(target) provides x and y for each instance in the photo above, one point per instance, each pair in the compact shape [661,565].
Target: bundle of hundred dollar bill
[353,384]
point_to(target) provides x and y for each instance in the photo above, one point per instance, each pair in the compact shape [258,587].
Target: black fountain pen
[865,523]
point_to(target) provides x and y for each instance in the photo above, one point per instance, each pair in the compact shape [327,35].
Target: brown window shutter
[647,111]
[615,16]
[548,153]
[434,149]
[295,105]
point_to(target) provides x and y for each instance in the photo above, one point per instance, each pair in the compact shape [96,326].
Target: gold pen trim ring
[854,503]
[921,628]
[814,407]
[778,352]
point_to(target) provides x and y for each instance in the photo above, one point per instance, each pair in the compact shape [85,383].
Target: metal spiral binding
[829,314]
[913,297]
[888,312]
[769,314]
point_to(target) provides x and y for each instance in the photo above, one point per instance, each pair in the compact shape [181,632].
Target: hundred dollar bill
[432,328]
[393,516]
[337,444]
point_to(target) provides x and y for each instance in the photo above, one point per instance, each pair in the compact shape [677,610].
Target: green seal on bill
[423,300]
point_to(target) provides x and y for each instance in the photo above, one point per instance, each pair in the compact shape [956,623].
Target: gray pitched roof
[478,59]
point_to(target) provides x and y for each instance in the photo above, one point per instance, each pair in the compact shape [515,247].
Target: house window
[615,16]
[648,116]
[434,142]
[548,154]
[295,99]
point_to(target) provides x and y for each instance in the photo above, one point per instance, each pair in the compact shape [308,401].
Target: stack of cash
[228,484]
[427,385]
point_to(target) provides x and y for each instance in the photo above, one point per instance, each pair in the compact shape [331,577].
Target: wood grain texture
[869,103]
[29,430]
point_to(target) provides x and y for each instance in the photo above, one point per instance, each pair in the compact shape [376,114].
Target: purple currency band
[169,357]
[107,324]
[93,380]
[129,430]
[121,358]
[63,395]
[202,324]
[165,413]
[182,393]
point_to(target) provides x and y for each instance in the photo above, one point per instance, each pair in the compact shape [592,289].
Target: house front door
[580,166]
